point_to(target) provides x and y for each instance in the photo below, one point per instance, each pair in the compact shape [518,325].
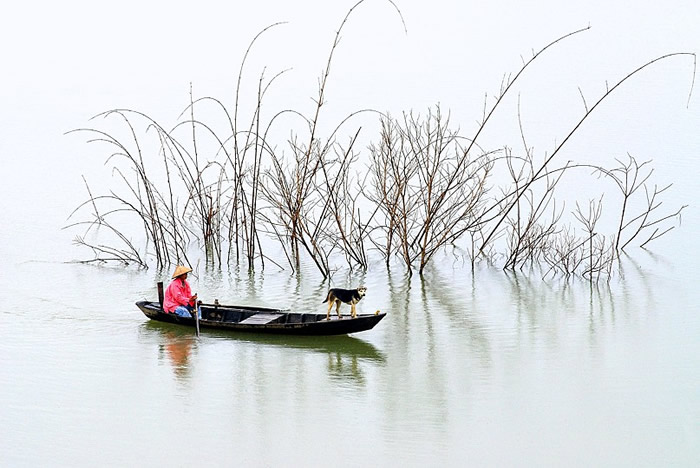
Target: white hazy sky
[63,62]
[120,53]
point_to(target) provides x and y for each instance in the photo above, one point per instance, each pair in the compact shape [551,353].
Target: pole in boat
[160,294]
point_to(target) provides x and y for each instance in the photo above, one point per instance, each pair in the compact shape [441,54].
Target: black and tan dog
[348,296]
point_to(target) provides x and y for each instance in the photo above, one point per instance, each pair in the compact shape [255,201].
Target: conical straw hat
[181,270]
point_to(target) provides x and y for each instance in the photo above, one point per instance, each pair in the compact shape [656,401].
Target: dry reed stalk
[504,213]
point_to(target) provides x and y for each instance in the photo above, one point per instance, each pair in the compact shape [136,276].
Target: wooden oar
[196,314]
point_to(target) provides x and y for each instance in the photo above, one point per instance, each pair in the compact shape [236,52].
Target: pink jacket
[178,293]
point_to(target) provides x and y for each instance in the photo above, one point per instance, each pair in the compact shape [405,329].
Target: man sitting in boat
[178,297]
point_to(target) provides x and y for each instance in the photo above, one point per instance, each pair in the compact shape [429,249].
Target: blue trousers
[185,311]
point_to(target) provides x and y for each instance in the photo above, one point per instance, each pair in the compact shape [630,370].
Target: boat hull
[264,320]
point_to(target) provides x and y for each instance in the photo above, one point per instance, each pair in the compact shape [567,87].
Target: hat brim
[181,270]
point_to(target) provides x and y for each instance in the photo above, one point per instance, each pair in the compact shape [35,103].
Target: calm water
[467,369]
[491,369]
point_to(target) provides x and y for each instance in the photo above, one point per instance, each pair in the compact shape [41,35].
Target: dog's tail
[328,296]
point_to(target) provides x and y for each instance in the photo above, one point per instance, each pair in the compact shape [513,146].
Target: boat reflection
[346,354]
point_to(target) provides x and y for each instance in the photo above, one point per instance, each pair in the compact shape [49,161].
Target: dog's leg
[337,307]
[354,312]
[330,306]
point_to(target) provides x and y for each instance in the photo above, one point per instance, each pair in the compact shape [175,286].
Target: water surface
[494,367]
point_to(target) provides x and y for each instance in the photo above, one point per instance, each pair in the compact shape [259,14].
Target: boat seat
[260,319]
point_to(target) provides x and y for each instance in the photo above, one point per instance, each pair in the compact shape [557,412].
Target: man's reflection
[178,349]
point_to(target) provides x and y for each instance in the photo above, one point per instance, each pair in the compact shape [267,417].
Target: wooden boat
[265,320]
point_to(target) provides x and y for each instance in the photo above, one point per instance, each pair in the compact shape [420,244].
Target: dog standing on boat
[348,296]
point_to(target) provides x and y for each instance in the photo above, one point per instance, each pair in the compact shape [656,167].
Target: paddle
[196,314]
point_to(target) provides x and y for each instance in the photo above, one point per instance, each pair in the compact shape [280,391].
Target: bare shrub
[427,185]
[427,188]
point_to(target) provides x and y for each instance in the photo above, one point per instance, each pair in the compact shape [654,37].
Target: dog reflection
[345,368]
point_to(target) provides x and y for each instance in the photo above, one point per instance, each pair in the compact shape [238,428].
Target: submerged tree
[421,188]
[430,189]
